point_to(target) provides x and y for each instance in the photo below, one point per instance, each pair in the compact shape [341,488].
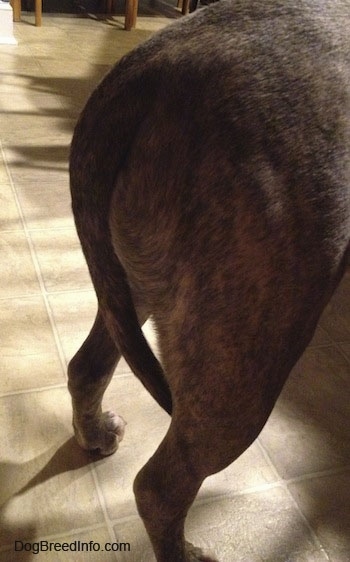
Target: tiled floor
[286,499]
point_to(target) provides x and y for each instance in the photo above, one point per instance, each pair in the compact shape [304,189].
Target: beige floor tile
[73,84]
[39,162]
[16,60]
[30,371]
[52,49]
[74,314]
[48,91]
[28,354]
[261,526]
[63,75]
[46,205]
[106,48]
[47,485]
[24,172]
[38,128]
[20,81]
[345,348]
[26,24]
[9,214]
[4,174]
[26,27]
[152,24]
[38,152]
[48,32]
[250,528]
[28,102]
[27,112]
[18,276]
[64,548]
[308,429]
[17,82]
[325,502]
[61,260]
[320,338]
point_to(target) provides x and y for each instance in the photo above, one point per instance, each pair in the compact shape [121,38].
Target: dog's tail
[100,145]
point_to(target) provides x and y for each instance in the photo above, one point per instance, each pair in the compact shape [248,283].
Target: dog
[209,177]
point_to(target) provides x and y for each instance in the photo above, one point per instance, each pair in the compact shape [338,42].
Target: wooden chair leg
[185,6]
[16,7]
[131,7]
[38,12]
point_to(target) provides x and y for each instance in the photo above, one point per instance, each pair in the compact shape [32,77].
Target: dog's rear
[210,184]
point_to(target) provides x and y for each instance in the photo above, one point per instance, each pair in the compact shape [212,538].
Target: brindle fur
[210,186]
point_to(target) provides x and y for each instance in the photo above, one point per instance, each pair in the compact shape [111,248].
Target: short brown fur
[210,187]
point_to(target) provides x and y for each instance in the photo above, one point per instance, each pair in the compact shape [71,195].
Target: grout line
[322,345]
[281,483]
[55,386]
[284,484]
[278,483]
[53,228]
[33,389]
[73,292]
[102,502]
[265,487]
[318,474]
[239,493]
[51,293]
[126,519]
[338,346]
[309,526]
[36,265]
[268,459]
[12,230]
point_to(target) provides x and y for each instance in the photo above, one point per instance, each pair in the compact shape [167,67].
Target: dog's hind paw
[101,435]
[195,554]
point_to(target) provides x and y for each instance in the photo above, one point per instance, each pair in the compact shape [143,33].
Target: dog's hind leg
[211,426]
[165,488]
[89,373]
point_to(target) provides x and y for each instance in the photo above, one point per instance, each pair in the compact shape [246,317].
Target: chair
[131,7]
[17,6]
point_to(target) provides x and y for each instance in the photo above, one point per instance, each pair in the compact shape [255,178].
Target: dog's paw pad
[103,435]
